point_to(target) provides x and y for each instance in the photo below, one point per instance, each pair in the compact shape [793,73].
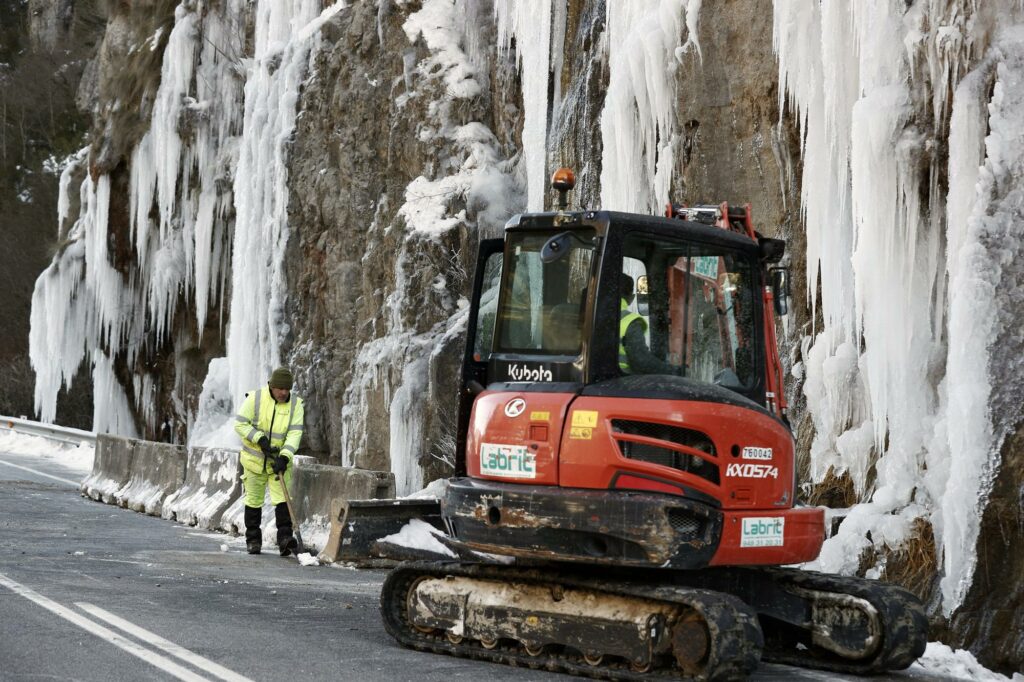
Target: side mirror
[772,250]
[780,289]
[560,245]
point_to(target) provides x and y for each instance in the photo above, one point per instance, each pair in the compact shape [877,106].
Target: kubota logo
[752,471]
[527,373]
[515,407]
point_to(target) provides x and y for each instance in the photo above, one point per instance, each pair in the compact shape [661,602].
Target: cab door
[479,337]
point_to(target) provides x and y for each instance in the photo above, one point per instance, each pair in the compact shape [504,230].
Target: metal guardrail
[51,431]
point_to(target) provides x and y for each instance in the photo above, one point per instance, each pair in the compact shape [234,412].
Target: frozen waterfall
[899,379]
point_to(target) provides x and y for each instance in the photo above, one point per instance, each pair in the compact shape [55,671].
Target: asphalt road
[94,592]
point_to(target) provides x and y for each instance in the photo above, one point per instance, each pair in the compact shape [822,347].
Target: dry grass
[835,491]
[913,565]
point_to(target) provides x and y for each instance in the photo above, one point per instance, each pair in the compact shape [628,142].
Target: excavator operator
[634,355]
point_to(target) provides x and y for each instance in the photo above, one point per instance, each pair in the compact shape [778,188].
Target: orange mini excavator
[626,463]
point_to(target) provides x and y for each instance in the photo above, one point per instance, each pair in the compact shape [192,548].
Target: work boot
[253,535]
[285,541]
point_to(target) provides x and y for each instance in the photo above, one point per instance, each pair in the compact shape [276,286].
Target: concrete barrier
[157,470]
[212,483]
[317,486]
[111,468]
[314,487]
[203,487]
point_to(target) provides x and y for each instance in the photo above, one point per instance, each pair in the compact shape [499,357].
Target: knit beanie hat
[281,378]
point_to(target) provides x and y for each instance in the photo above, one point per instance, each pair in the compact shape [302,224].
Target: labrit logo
[507,461]
[761,531]
[752,471]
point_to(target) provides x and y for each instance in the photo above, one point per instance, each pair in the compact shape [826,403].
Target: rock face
[377,301]
[407,150]
[44,50]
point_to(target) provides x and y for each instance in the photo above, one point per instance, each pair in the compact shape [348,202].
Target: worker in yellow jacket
[270,426]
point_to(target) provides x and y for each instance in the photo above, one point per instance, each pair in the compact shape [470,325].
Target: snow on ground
[315,531]
[79,458]
[419,535]
[435,490]
[940,660]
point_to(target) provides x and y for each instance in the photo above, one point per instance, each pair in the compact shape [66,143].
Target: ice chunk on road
[307,559]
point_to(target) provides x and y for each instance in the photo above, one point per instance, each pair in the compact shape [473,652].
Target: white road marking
[204,664]
[151,657]
[40,473]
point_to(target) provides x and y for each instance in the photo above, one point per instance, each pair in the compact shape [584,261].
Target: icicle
[529,23]
[874,381]
[638,120]
[985,289]
[692,24]
[284,40]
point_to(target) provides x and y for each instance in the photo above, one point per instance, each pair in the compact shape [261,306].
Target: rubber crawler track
[735,633]
[904,624]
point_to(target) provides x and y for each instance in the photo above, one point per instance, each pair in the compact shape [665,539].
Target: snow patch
[939,659]
[76,457]
[419,535]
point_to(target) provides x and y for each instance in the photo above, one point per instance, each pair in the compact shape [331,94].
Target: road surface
[90,591]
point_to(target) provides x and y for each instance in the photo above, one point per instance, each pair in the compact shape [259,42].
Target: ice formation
[898,379]
[395,364]
[285,36]
[181,208]
[529,23]
[638,120]
[914,256]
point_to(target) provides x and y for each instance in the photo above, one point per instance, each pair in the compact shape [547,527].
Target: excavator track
[581,625]
[829,622]
[899,623]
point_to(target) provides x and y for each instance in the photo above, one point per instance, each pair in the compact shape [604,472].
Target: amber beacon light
[563,181]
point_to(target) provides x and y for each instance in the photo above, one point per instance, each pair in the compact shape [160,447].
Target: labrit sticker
[764,454]
[585,418]
[763,531]
[752,471]
[540,416]
[581,433]
[507,461]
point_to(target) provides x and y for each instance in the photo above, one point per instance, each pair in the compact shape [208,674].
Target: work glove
[280,464]
[264,444]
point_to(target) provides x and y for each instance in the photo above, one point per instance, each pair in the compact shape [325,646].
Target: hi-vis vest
[626,318]
[260,416]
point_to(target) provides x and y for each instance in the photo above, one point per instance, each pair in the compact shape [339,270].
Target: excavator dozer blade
[357,525]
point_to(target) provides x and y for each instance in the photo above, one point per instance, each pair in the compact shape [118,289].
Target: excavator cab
[628,361]
[625,468]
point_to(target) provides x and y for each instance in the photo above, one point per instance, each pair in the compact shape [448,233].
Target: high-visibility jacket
[260,416]
[626,318]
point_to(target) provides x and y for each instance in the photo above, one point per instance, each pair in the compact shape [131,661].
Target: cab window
[542,304]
